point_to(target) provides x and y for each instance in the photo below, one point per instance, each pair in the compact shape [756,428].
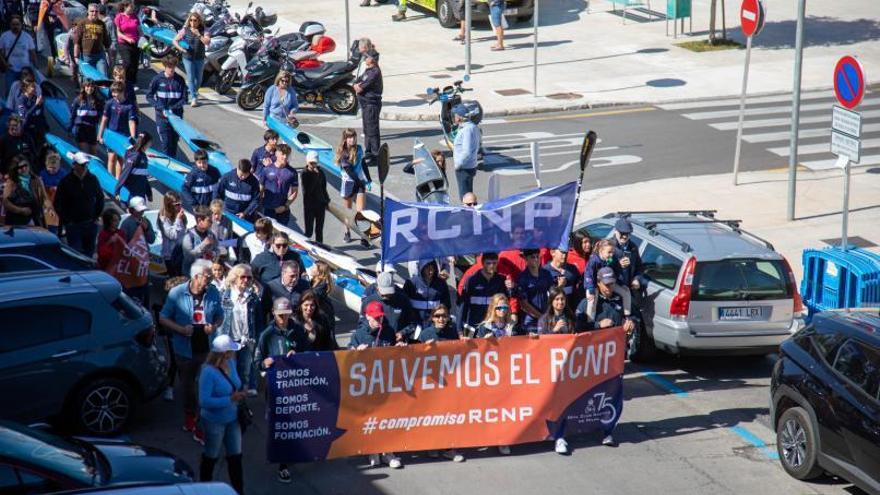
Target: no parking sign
[849,82]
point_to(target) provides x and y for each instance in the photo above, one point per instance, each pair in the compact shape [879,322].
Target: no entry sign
[751,16]
[849,82]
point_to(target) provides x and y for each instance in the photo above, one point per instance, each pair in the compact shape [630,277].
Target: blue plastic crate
[834,278]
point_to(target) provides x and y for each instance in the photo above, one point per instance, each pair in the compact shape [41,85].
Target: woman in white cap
[219,395]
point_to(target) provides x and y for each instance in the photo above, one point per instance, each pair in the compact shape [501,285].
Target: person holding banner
[532,286]
[311,331]
[478,292]
[219,395]
[426,291]
[276,340]
[499,320]
[136,221]
[400,318]
[372,332]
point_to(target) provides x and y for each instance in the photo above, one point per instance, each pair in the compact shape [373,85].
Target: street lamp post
[535,50]
[796,109]
[467,36]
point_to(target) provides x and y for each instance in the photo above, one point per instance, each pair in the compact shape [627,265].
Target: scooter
[449,97]
[328,85]
[248,39]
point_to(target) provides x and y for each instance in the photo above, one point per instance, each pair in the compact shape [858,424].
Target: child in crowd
[349,158]
[29,106]
[51,176]
[315,197]
[85,117]
[134,174]
[120,115]
[119,76]
[201,182]
[603,255]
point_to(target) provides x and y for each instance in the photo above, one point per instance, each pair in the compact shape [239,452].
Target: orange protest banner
[465,393]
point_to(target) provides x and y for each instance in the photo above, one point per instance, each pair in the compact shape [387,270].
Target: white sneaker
[608,440]
[168,394]
[374,460]
[561,446]
[453,455]
[504,450]
[392,460]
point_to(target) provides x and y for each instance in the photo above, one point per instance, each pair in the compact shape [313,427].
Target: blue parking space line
[664,383]
[752,439]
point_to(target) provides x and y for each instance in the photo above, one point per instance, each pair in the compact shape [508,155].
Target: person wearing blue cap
[465,150]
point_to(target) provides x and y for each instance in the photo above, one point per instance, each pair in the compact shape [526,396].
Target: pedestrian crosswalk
[767,123]
[557,152]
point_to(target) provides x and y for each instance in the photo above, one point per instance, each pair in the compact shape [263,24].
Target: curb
[547,108]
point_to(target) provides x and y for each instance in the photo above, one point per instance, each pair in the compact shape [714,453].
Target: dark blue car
[825,404]
[34,461]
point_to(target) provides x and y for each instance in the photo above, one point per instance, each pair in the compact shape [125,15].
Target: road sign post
[535,50]
[846,128]
[467,37]
[752,21]
[796,107]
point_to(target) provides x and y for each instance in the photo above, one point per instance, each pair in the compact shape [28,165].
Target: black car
[825,399]
[24,249]
[35,461]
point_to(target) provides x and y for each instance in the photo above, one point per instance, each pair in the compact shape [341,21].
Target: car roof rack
[732,224]
[627,214]
[654,232]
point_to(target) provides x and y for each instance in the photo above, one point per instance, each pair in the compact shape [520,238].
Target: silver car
[712,287]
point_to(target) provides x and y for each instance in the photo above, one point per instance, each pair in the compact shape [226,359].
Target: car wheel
[640,346]
[797,444]
[446,14]
[104,406]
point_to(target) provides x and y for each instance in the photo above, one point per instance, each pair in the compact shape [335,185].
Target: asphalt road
[689,426]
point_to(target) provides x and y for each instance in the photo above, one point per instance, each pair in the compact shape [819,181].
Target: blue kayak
[304,142]
[164,35]
[195,140]
[55,103]
[96,166]
[89,71]
[172,173]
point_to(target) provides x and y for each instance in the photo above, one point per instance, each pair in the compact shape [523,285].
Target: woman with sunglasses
[172,227]
[280,101]
[24,195]
[499,322]
[197,38]
[242,319]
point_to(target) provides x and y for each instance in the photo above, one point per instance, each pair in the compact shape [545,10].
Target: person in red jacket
[320,43]
[109,237]
[580,248]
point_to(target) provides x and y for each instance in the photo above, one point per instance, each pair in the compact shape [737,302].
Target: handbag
[244,413]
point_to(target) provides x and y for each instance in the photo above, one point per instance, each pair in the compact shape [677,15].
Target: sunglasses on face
[281,245]
[244,277]
[441,315]
[23,166]
[502,308]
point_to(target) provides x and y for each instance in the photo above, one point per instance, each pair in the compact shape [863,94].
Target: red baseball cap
[375,310]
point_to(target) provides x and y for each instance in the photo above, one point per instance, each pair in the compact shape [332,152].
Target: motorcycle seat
[324,69]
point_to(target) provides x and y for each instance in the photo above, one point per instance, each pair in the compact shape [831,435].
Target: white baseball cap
[312,156]
[224,343]
[137,203]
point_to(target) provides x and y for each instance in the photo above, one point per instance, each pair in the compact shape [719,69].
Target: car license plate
[740,314]
[511,11]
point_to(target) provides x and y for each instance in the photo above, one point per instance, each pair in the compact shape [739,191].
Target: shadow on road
[642,431]
[818,31]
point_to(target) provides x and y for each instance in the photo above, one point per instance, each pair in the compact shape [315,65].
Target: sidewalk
[593,59]
[760,202]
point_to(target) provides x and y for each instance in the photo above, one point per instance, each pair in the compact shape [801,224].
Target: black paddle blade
[587,148]
[383,161]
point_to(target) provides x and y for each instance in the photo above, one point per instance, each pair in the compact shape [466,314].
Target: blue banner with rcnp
[534,219]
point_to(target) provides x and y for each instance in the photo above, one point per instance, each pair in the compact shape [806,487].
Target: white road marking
[769,137]
[725,102]
[812,149]
[832,163]
[726,114]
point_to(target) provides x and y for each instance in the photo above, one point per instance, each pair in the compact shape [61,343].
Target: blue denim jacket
[179,308]
[255,313]
[466,146]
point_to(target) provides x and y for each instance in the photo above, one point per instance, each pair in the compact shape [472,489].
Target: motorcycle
[329,85]
[449,97]
[248,39]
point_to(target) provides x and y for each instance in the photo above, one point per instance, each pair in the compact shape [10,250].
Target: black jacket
[399,314]
[314,187]
[79,200]
[371,85]
[267,266]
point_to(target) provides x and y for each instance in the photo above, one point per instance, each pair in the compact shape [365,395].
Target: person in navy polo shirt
[120,115]
[532,286]
[280,186]
[200,183]
[264,156]
[240,191]
[167,92]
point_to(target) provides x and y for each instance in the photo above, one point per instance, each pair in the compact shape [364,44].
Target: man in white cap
[315,197]
[136,208]
[79,203]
